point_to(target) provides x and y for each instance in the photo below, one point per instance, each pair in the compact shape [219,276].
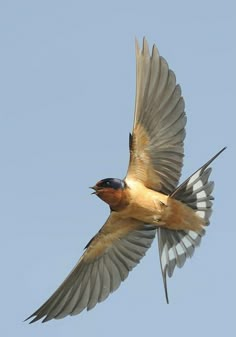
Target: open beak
[94,188]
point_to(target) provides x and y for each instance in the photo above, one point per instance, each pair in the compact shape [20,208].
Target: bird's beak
[94,188]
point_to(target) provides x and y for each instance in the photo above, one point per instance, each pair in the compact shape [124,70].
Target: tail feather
[175,246]
[196,192]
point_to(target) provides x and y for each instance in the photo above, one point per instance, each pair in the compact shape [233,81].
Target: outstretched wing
[110,255]
[156,143]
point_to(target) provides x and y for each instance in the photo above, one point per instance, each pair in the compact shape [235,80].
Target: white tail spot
[193,178]
[164,260]
[171,254]
[201,214]
[202,204]
[193,235]
[180,249]
[186,242]
[201,195]
[197,185]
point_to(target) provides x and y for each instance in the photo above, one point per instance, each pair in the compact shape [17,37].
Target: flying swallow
[148,201]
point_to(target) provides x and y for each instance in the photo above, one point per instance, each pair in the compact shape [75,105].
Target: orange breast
[143,203]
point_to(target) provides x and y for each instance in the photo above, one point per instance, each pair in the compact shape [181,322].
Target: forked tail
[176,245]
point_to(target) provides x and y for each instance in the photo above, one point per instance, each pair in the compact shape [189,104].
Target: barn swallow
[148,201]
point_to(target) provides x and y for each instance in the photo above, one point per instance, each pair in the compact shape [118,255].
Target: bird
[149,202]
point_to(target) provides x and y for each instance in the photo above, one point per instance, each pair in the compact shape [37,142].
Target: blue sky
[67,88]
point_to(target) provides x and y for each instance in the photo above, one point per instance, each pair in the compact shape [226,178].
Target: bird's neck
[116,199]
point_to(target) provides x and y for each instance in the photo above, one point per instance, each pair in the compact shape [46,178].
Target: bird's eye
[108,183]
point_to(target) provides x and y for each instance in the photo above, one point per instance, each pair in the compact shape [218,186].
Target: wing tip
[145,49]
[33,318]
[137,49]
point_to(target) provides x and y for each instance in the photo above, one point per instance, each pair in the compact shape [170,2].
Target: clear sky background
[67,88]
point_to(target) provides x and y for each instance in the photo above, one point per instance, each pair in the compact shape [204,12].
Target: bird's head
[111,190]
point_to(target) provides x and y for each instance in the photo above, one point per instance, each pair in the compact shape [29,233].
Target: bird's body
[144,204]
[148,201]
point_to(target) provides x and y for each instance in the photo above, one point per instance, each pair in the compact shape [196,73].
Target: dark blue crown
[112,183]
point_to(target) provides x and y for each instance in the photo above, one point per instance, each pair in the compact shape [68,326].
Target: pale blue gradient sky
[67,84]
